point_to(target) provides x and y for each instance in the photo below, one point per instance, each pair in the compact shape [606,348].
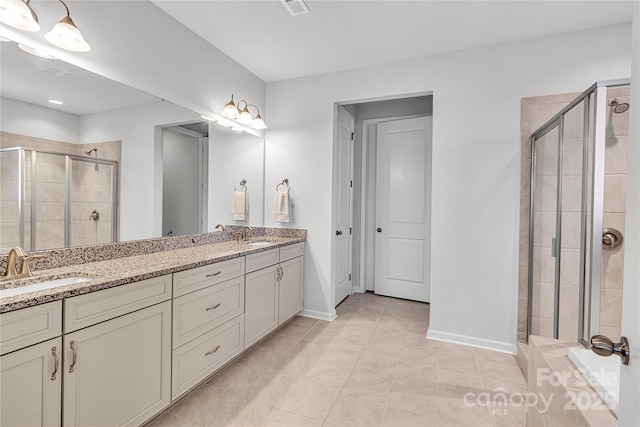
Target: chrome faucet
[220,226]
[12,272]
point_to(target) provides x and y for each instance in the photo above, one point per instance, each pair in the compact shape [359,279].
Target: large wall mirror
[111,163]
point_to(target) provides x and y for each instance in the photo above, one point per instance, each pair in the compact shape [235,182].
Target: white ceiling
[337,35]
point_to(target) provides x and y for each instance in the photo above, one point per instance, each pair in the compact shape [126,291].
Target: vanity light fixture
[242,115]
[18,14]
[65,34]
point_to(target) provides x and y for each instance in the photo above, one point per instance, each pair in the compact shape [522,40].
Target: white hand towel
[282,208]
[239,206]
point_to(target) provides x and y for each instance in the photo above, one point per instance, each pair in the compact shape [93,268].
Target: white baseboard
[500,346]
[320,315]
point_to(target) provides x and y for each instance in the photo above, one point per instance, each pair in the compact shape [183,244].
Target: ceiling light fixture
[65,34]
[242,115]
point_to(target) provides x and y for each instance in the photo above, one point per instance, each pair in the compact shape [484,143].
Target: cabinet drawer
[201,357]
[262,259]
[203,310]
[291,251]
[202,277]
[89,309]
[28,326]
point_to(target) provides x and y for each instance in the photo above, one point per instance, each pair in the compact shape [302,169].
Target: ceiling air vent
[295,7]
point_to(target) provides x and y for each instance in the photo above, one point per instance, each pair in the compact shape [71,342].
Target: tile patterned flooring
[372,366]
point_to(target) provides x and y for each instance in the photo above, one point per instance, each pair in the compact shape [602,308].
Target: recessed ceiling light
[55,101]
[35,52]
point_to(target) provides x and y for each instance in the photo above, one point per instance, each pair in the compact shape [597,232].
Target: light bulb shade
[18,14]
[258,123]
[245,117]
[230,110]
[35,52]
[66,35]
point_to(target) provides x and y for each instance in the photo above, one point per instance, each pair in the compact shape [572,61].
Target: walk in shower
[52,200]
[576,217]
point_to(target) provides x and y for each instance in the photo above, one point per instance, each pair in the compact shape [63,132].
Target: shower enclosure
[53,200]
[576,217]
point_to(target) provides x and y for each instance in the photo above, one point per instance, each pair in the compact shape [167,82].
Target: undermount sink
[36,287]
[264,243]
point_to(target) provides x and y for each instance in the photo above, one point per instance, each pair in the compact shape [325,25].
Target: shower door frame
[67,193]
[586,315]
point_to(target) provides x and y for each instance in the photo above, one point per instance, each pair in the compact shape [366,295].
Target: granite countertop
[120,271]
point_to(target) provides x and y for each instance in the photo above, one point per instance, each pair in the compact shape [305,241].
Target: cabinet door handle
[214,307]
[214,274]
[72,344]
[54,352]
[281,272]
[212,351]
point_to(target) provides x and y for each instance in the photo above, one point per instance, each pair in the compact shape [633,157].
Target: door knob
[338,233]
[379,230]
[603,346]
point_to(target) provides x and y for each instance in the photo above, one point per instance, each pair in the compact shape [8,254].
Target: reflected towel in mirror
[239,206]
[282,208]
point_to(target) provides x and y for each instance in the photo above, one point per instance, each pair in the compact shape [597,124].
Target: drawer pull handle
[214,274]
[54,352]
[212,351]
[72,344]
[214,307]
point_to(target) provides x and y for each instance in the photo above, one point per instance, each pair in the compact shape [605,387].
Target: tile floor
[372,366]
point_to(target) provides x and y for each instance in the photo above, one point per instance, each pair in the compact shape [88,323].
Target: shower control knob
[379,230]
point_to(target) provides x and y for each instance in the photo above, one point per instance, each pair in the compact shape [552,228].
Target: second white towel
[239,206]
[282,208]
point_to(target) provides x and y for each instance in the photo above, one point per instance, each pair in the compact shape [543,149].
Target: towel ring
[284,182]
[243,184]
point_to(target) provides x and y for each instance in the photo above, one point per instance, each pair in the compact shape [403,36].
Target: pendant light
[66,35]
[18,14]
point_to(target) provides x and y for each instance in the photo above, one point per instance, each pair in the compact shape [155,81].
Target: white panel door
[403,208]
[30,382]
[344,214]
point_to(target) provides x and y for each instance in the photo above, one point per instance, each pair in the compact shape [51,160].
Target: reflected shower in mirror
[125,126]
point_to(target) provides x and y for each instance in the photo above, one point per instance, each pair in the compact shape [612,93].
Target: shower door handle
[603,346]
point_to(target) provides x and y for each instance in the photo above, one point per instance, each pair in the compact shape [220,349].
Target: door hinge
[351,184]
[350,230]
[352,136]
[349,277]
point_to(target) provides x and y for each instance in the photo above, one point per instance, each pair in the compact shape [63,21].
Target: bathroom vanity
[146,329]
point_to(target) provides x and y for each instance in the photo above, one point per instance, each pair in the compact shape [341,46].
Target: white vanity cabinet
[274,290]
[30,385]
[118,371]
[30,370]
[208,321]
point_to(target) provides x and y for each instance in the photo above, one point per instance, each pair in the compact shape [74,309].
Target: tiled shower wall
[91,189]
[535,112]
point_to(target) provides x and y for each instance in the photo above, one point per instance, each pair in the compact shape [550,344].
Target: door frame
[367,181]
[334,204]
[203,174]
